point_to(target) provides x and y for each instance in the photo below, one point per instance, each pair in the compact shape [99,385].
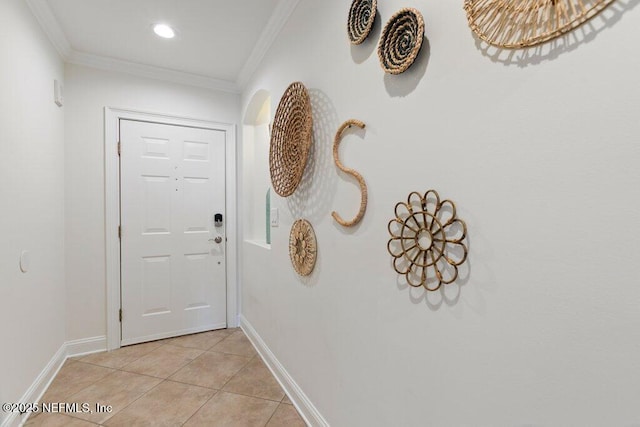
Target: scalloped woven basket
[361,17]
[290,139]
[303,247]
[401,41]
[514,24]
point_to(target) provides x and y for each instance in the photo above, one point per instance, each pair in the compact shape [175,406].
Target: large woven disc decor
[427,240]
[290,139]
[514,24]
[361,17]
[303,247]
[401,41]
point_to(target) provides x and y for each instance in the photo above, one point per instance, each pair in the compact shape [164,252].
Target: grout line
[201,406]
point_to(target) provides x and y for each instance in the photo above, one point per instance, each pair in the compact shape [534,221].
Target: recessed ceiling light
[164,31]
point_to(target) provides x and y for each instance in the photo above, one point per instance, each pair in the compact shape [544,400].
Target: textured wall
[539,149]
[32,304]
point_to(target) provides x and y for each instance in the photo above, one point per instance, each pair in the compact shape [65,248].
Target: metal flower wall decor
[427,240]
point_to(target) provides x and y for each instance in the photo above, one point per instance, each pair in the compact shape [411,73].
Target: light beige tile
[286,416]
[236,343]
[56,420]
[169,404]
[256,380]
[122,356]
[73,377]
[202,341]
[211,369]
[163,361]
[286,400]
[233,410]
[118,390]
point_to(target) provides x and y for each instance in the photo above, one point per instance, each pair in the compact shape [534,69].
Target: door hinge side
[119,232]
[118,148]
[120,315]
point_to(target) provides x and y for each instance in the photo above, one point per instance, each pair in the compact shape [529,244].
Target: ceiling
[218,43]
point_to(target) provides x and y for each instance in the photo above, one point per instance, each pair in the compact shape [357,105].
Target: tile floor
[209,379]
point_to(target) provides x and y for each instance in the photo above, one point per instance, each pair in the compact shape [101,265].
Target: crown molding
[274,26]
[150,71]
[47,20]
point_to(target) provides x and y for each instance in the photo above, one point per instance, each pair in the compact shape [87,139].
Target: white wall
[88,91]
[32,207]
[539,151]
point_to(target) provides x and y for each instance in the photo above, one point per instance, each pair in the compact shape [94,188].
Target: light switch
[25,261]
[275,221]
[58,97]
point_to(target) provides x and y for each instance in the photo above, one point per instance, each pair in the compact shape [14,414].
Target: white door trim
[112,210]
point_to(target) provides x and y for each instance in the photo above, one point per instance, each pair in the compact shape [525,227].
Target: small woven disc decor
[514,24]
[303,247]
[427,240]
[401,41]
[361,17]
[290,139]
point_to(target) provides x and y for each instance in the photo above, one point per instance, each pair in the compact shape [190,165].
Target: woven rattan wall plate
[401,41]
[361,17]
[514,24]
[303,247]
[290,139]
[427,240]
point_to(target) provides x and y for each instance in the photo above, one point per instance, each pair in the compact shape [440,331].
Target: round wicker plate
[361,17]
[401,41]
[303,247]
[514,24]
[290,139]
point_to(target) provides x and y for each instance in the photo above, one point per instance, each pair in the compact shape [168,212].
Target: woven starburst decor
[361,17]
[514,24]
[401,41]
[290,139]
[303,247]
[427,240]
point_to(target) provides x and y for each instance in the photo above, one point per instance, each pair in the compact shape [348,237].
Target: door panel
[173,272]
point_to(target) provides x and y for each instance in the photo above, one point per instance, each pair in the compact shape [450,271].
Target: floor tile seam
[201,406]
[140,357]
[148,375]
[272,415]
[96,364]
[170,374]
[226,352]
[169,377]
[234,375]
[69,398]
[78,418]
[134,400]
[111,415]
[191,384]
[248,395]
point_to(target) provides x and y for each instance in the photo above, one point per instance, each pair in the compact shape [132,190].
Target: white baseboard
[42,382]
[309,413]
[86,346]
[38,387]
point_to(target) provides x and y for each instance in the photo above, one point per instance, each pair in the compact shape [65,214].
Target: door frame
[112,118]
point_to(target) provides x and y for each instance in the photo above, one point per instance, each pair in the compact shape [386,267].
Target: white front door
[172,185]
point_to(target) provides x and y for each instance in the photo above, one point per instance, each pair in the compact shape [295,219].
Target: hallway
[212,378]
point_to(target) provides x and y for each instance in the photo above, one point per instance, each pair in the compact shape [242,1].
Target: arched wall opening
[256,183]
